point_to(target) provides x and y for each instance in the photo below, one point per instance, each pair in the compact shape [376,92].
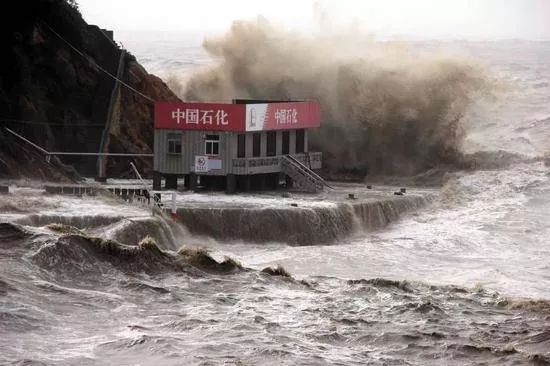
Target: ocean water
[462,280]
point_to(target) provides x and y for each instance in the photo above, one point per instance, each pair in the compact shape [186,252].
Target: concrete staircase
[303,177]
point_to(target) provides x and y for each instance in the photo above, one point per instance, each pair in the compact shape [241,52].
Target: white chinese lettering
[192,116]
[206,117]
[280,116]
[221,118]
[286,116]
[178,115]
[289,116]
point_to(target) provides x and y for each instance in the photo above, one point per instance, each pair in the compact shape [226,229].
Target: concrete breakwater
[296,224]
[294,219]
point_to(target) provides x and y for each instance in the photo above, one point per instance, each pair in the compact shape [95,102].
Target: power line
[98,66]
[60,124]
[26,122]
[48,153]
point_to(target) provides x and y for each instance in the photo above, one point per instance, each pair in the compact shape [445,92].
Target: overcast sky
[478,19]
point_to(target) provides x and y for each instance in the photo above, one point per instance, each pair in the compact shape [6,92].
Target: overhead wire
[91,60]
[61,124]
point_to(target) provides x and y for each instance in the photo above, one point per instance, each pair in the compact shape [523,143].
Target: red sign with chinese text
[200,116]
[282,116]
[237,117]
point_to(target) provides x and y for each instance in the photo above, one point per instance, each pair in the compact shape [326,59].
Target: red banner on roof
[237,117]
[282,116]
[200,116]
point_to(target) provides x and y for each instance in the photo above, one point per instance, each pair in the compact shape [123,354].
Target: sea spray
[385,108]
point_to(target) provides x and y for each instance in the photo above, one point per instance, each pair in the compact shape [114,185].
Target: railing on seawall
[139,195]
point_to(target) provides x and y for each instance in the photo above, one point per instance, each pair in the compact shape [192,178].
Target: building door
[300,141]
[241,145]
[286,142]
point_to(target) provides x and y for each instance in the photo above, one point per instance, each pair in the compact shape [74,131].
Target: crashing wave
[11,231]
[297,226]
[200,258]
[78,221]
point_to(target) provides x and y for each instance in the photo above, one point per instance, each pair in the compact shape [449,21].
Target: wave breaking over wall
[387,108]
[127,230]
[299,221]
[297,225]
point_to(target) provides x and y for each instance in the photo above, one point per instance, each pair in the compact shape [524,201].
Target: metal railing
[302,176]
[272,164]
[308,170]
[50,153]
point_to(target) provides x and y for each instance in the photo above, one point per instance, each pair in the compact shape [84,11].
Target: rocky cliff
[59,98]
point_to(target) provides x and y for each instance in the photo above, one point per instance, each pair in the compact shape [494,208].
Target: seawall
[307,225]
[295,219]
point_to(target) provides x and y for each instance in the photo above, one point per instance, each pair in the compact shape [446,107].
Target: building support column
[156,181]
[289,182]
[263,179]
[171,181]
[230,183]
[186,180]
[193,182]
[247,183]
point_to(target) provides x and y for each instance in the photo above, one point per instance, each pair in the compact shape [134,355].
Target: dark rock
[66,96]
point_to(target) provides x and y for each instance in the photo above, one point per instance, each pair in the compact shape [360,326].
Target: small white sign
[214,164]
[201,164]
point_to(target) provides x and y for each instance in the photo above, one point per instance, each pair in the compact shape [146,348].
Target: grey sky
[479,19]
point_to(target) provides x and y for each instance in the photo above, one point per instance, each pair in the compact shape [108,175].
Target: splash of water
[386,109]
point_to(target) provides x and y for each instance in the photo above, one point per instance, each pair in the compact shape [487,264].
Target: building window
[241,146]
[300,141]
[256,144]
[286,142]
[212,145]
[174,143]
[271,143]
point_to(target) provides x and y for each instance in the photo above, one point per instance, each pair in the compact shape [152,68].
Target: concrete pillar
[263,181]
[193,182]
[156,181]
[186,180]
[289,182]
[273,181]
[171,181]
[247,183]
[230,183]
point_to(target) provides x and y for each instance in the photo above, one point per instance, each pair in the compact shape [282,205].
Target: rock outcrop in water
[60,99]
